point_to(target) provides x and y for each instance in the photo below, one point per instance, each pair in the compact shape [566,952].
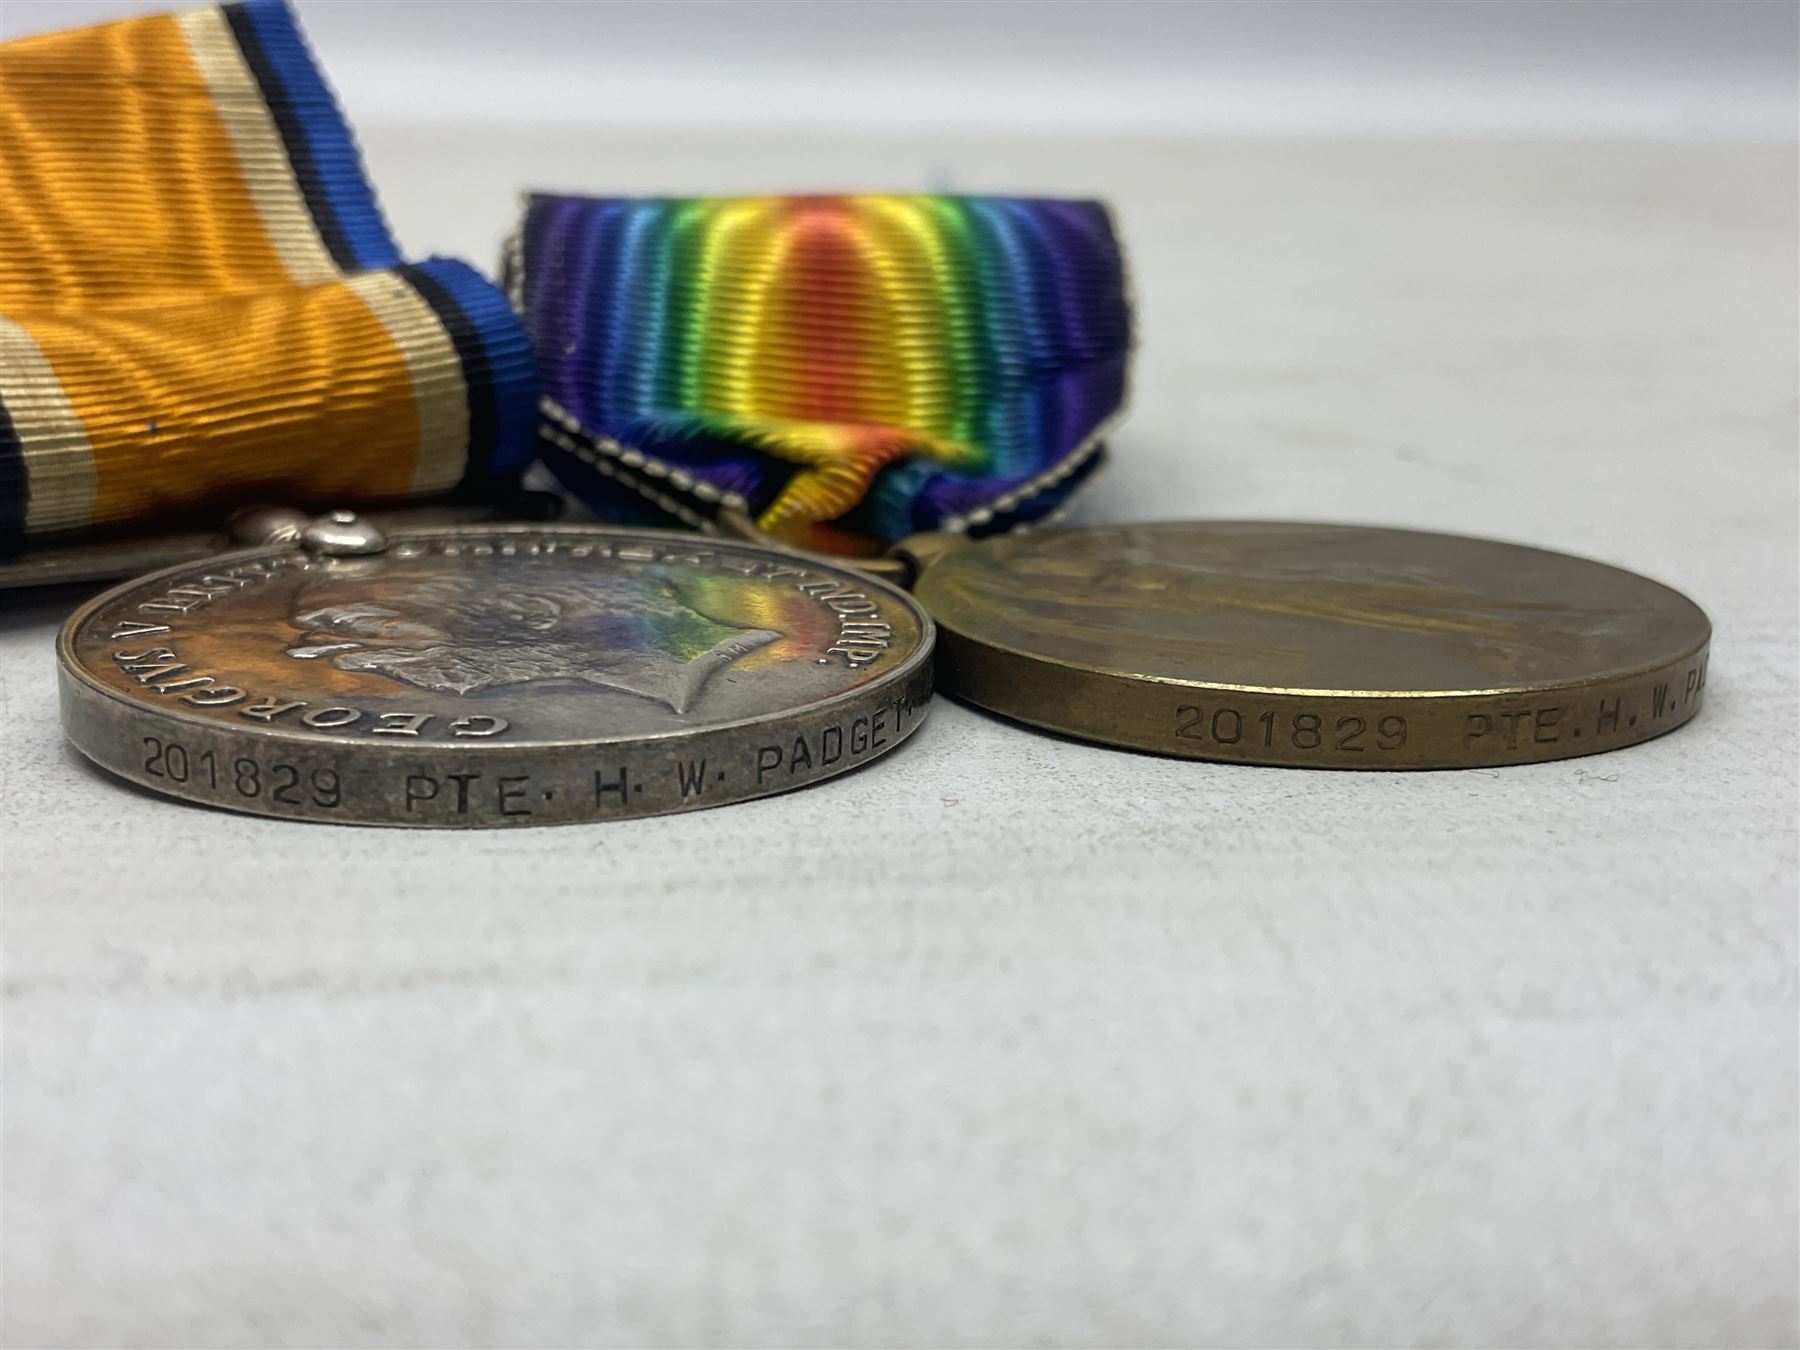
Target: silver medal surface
[501,675]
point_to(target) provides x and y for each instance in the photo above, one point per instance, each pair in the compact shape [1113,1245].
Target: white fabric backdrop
[1009,1039]
[1661,68]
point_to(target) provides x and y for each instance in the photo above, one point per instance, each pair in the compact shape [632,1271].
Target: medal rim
[1117,709]
[107,728]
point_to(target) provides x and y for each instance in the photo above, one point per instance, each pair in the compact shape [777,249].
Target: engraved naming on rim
[1327,646]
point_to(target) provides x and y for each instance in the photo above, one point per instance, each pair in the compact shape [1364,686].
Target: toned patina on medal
[501,675]
[1318,645]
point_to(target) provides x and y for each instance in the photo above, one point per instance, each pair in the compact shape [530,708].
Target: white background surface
[1681,68]
[1008,1039]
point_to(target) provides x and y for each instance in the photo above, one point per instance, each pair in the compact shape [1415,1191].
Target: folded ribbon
[200,303]
[849,369]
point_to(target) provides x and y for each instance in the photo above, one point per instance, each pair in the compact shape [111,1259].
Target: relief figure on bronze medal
[1242,608]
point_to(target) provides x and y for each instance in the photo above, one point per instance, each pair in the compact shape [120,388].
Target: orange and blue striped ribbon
[847,369]
[200,303]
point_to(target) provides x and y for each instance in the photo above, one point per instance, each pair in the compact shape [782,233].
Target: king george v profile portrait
[524,621]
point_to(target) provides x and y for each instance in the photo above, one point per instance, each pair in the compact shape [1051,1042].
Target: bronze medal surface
[1317,645]
[494,676]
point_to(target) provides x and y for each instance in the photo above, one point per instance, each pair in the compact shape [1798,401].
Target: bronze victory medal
[501,675]
[1318,645]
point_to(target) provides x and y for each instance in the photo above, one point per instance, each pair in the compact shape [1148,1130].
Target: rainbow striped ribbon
[200,303]
[848,369]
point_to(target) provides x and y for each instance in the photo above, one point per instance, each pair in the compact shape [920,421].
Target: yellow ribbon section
[174,332]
